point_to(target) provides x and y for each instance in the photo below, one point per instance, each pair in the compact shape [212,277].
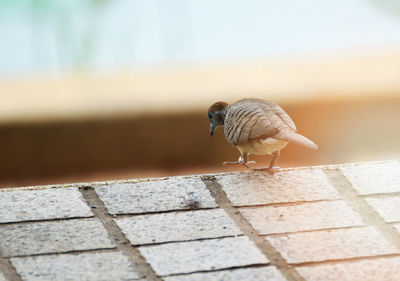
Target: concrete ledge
[336,222]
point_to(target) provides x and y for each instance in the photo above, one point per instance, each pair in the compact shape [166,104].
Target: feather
[288,135]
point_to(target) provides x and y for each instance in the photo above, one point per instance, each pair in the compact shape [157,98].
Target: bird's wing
[287,129]
[250,119]
[284,117]
[246,120]
[268,106]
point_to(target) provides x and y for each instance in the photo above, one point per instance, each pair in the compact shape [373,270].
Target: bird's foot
[270,170]
[239,162]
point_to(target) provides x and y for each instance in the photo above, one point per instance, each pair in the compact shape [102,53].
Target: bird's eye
[210,115]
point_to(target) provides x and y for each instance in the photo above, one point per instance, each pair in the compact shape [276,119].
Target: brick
[53,237]
[88,266]
[388,208]
[155,196]
[300,217]
[27,205]
[374,177]
[177,226]
[331,245]
[246,189]
[268,273]
[186,257]
[379,269]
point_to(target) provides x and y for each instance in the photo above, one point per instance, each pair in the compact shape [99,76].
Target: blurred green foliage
[389,6]
[47,6]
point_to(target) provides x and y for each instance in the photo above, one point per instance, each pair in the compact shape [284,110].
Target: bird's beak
[212,128]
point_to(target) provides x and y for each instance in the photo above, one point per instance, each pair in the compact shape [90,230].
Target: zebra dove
[255,126]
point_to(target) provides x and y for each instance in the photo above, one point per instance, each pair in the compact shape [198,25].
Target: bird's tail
[296,138]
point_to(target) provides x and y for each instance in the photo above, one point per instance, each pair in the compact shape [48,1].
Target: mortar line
[72,252]
[381,195]
[122,243]
[218,270]
[162,212]
[360,205]
[263,245]
[346,260]
[44,220]
[8,269]
[284,204]
[312,230]
[150,244]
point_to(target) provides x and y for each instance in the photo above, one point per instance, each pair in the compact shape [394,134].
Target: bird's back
[253,118]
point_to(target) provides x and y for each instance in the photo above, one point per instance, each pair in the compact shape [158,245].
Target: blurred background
[100,89]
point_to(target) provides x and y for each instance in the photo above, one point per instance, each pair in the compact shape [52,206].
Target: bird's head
[216,115]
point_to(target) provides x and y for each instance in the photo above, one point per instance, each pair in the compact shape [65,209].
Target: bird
[255,126]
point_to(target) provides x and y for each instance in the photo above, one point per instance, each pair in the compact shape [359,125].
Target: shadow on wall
[160,145]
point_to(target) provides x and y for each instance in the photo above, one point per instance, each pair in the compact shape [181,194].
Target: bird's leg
[243,160]
[270,169]
[246,161]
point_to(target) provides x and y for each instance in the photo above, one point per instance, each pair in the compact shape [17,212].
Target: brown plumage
[256,126]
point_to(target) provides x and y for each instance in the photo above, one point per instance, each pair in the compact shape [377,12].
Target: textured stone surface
[23,205]
[179,229]
[380,269]
[154,196]
[177,226]
[374,177]
[388,208]
[332,245]
[292,186]
[397,227]
[307,216]
[268,273]
[89,266]
[2,278]
[194,256]
[53,237]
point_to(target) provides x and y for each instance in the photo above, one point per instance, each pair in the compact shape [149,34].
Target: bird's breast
[262,146]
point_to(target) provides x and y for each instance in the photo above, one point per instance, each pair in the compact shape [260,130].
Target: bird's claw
[270,170]
[239,162]
[249,162]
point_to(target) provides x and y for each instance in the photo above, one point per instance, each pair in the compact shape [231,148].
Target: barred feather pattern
[248,120]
